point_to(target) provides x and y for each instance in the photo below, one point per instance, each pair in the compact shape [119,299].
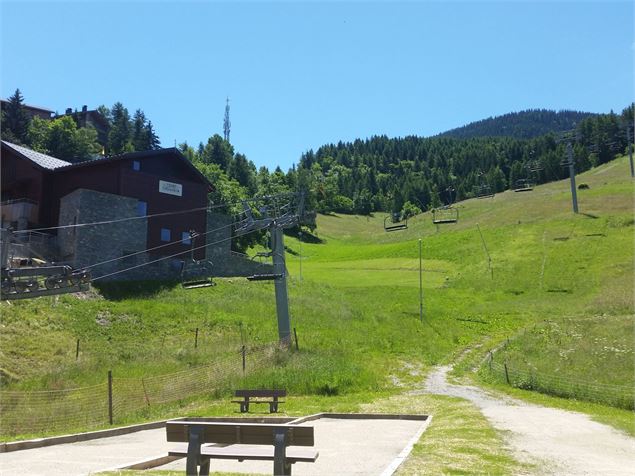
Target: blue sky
[302,74]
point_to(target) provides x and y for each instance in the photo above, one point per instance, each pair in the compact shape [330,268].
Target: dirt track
[558,441]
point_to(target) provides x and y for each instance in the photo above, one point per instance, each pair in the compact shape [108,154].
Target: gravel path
[561,442]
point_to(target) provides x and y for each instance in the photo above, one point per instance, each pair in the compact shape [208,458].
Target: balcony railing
[19,210]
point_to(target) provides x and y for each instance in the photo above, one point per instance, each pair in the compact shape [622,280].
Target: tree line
[404,176]
[64,137]
[413,174]
[521,125]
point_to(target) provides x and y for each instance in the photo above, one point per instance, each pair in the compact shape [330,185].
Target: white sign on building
[171,188]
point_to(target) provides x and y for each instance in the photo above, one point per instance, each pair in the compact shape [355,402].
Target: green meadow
[559,288]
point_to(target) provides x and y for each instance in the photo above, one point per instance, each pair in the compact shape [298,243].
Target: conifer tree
[15,120]
[120,137]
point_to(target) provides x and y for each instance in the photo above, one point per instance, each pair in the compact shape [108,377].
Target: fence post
[145,393]
[110,397]
[77,350]
[506,373]
[296,339]
[242,351]
[196,338]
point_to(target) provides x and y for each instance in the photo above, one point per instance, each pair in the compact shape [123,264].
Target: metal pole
[282,299]
[300,235]
[77,350]
[630,149]
[574,196]
[110,397]
[420,284]
[5,239]
[196,338]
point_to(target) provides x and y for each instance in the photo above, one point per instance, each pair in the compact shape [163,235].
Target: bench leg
[280,465]
[194,450]
[204,467]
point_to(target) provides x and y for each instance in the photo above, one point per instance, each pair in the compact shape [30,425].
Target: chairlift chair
[199,274]
[523,185]
[263,276]
[397,224]
[483,191]
[195,273]
[445,215]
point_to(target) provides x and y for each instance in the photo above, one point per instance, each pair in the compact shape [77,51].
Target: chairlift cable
[120,220]
[171,243]
[175,255]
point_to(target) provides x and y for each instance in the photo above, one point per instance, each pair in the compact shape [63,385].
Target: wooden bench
[241,441]
[263,396]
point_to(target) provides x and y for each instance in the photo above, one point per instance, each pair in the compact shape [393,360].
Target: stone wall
[85,246]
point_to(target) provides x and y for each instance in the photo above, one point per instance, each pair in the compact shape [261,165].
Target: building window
[142,208]
[186,238]
[165,234]
[136,165]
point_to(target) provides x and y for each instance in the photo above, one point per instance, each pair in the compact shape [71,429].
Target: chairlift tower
[276,213]
[570,161]
[630,147]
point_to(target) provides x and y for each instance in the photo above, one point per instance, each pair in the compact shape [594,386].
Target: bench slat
[261,393]
[239,433]
[258,401]
[248,452]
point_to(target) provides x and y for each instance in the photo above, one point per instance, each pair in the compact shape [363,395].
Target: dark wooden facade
[135,175]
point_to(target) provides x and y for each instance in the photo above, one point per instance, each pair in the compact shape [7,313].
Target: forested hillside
[402,175]
[520,125]
[413,173]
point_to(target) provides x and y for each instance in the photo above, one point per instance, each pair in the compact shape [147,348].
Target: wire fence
[620,396]
[34,412]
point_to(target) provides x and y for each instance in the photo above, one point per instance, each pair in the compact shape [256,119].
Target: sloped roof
[170,151]
[43,160]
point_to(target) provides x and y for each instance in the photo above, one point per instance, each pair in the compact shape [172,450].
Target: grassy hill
[356,307]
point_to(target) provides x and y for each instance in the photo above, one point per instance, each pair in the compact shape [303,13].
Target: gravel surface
[559,441]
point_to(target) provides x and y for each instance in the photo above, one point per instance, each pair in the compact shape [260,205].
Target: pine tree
[218,151]
[15,120]
[120,136]
[151,139]
[139,136]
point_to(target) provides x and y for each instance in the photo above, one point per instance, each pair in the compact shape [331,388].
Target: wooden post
[506,373]
[77,350]
[196,338]
[145,393]
[242,351]
[296,339]
[110,397]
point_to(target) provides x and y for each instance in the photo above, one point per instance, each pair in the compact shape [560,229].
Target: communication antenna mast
[226,123]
